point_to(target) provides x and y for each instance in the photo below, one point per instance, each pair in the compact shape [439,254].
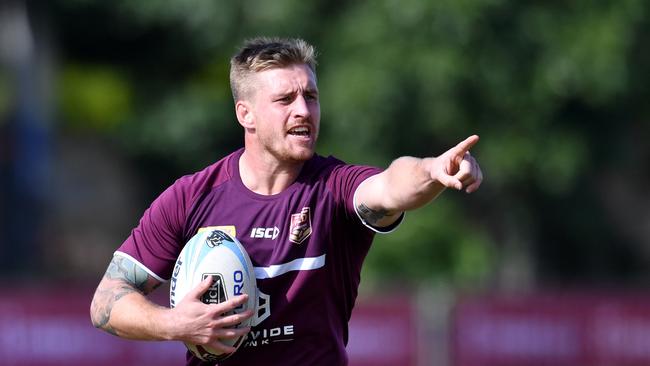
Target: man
[306,221]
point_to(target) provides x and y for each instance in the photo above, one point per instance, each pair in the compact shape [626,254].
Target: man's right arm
[120,307]
[125,285]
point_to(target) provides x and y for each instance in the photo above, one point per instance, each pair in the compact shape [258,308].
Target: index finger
[201,288]
[465,145]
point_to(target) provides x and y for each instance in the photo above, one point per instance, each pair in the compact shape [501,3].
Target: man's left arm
[409,183]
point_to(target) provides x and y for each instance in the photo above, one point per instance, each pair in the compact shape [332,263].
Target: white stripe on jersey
[300,264]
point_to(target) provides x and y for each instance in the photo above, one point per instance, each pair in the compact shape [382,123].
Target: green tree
[557,91]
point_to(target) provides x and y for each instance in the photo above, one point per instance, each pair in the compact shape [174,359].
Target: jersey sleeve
[157,240]
[343,183]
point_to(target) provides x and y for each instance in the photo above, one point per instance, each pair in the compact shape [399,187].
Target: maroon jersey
[307,245]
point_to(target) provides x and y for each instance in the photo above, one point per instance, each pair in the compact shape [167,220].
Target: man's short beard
[295,159]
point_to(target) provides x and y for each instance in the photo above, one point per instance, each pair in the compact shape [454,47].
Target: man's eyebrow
[311,90]
[283,93]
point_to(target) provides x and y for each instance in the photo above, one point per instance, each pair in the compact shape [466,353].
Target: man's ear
[245,114]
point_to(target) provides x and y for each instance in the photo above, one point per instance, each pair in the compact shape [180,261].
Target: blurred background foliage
[557,91]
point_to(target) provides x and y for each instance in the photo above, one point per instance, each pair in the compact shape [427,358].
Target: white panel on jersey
[300,264]
[263,308]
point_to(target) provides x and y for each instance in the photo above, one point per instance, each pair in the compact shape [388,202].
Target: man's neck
[265,175]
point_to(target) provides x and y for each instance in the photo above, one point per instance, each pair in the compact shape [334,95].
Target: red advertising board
[51,327]
[383,333]
[48,327]
[561,329]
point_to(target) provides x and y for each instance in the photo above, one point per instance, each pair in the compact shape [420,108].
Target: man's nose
[301,107]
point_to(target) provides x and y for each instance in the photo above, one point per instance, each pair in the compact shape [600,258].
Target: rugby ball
[217,254]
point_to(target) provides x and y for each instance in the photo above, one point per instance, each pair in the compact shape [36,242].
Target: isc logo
[265,232]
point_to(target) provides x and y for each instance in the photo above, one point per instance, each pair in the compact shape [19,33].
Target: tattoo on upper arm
[131,279]
[371,216]
[122,268]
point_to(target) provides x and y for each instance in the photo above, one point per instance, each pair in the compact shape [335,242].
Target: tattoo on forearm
[132,278]
[371,216]
[103,305]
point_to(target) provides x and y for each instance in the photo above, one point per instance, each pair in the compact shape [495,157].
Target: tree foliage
[556,90]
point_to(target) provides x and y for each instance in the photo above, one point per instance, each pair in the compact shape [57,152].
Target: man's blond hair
[262,53]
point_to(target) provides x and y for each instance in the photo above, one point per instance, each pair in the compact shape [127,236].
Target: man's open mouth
[300,131]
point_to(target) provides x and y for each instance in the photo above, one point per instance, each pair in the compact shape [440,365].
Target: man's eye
[286,99]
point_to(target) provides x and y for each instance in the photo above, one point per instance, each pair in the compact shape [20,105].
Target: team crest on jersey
[300,227]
